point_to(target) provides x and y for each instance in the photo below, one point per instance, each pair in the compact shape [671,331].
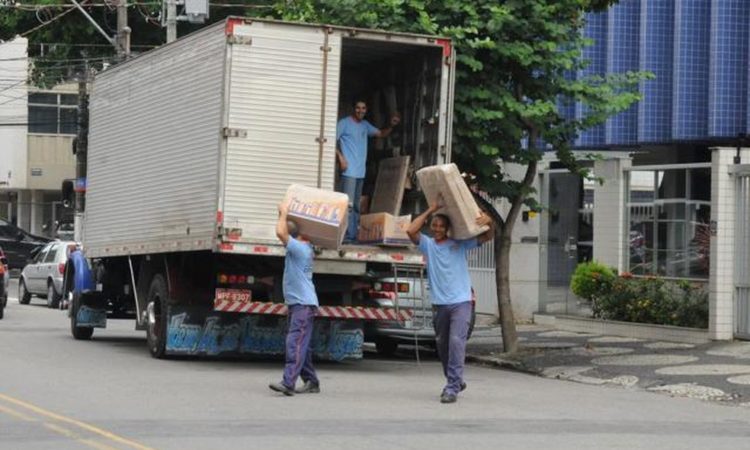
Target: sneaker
[279,387]
[447,397]
[309,388]
[463,386]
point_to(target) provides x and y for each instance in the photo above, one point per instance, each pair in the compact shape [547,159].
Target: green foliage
[513,62]
[591,279]
[654,300]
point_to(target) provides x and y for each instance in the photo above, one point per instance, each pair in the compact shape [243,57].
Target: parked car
[4,280]
[406,292]
[18,244]
[43,276]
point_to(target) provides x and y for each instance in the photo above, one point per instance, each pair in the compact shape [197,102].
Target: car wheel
[53,298]
[156,317]
[386,346]
[79,333]
[24,296]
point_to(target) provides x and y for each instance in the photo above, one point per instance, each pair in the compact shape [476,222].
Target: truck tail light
[392,287]
[61,268]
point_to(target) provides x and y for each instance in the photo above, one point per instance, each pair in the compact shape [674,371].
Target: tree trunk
[502,278]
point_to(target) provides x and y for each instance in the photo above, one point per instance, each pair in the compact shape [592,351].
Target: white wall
[13,109]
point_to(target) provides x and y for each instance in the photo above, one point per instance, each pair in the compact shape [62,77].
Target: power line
[57,17]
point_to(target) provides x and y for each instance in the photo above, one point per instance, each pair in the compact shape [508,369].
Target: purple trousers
[298,350]
[451,324]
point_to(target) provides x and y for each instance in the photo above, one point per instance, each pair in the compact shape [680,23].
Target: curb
[502,363]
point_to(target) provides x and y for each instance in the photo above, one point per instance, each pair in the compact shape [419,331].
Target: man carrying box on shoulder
[302,302]
[450,290]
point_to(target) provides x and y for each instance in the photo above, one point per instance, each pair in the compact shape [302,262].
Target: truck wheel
[386,346]
[156,312]
[24,297]
[79,333]
[53,298]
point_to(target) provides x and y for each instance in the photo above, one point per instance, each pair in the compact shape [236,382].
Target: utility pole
[171,20]
[123,31]
[81,147]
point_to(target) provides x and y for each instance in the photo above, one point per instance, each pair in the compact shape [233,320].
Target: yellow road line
[78,423]
[16,414]
[70,434]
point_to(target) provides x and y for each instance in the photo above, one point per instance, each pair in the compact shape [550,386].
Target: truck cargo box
[193,145]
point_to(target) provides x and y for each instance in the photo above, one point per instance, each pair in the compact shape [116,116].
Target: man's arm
[482,220]
[282,232]
[385,132]
[416,226]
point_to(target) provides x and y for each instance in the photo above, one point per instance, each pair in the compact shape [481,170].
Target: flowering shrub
[590,279]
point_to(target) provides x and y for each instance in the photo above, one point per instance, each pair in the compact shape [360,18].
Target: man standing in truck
[302,302]
[352,133]
[450,290]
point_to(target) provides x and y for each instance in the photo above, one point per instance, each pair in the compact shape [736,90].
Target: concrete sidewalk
[717,371]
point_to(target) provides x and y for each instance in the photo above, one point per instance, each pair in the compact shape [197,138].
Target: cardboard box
[320,215]
[389,185]
[384,229]
[459,204]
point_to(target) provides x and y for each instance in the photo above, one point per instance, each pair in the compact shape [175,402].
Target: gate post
[721,316]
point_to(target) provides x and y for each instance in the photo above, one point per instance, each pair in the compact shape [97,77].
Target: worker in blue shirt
[450,290]
[302,303]
[352,133]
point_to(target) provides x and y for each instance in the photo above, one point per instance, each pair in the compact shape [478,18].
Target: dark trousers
[298,349]
[451,324]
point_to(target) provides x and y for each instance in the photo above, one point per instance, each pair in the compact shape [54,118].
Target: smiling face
[439,227]
[360,109]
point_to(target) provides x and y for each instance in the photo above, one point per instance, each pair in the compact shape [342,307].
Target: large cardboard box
[320,215]
[384,229]
[389,185]
[460,205]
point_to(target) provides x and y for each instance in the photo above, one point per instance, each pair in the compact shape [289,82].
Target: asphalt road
[58,393]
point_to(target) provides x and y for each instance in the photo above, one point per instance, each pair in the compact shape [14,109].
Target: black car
[4,279]
[18,244]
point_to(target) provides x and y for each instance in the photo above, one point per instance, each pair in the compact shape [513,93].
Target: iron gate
[742,255]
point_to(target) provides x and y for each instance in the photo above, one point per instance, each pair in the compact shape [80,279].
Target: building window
[669,214]
[53,113]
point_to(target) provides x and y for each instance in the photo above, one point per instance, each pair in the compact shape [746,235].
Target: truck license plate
[233,295]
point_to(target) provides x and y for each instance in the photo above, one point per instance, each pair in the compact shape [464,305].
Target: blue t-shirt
[298,269]
[447,269]
[352,137]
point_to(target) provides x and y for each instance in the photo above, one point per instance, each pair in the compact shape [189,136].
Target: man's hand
[395,120]
[283,208]
[483,219]
[343,163]
[438,203]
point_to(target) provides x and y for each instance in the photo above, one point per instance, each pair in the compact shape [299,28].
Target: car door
[32,272]
[48,266]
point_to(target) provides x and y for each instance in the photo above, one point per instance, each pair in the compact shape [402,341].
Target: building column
[722,258]
[36,212]
[610,212]
[22,209]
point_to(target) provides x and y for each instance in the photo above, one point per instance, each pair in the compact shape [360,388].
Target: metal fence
[742,255]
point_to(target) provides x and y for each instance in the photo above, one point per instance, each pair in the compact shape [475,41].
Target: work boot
[447,397]
[309,388]
[279,387]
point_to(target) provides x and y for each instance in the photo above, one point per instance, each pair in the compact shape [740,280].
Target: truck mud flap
[91,317]
[197,332]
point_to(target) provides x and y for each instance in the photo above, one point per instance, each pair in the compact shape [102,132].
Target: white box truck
[193,145]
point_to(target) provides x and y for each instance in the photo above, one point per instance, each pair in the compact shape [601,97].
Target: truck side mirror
[68,193]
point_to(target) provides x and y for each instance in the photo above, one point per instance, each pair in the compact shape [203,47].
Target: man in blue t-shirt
[450,290]
[352,133]
[302,302]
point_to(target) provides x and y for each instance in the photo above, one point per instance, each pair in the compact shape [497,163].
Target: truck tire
[24,297]
[53,298]
[156,320]
[79,333]
[386,346]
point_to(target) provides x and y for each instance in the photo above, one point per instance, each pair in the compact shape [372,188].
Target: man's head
[360,109]
[439,226]
[292,228]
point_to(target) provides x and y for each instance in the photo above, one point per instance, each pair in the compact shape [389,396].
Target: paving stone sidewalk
[717,371]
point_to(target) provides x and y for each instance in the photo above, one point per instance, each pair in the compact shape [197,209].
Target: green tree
[513,67]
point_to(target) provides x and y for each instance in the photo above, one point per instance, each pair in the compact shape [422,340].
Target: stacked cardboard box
[459,205]
[384,229]
[320,215]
